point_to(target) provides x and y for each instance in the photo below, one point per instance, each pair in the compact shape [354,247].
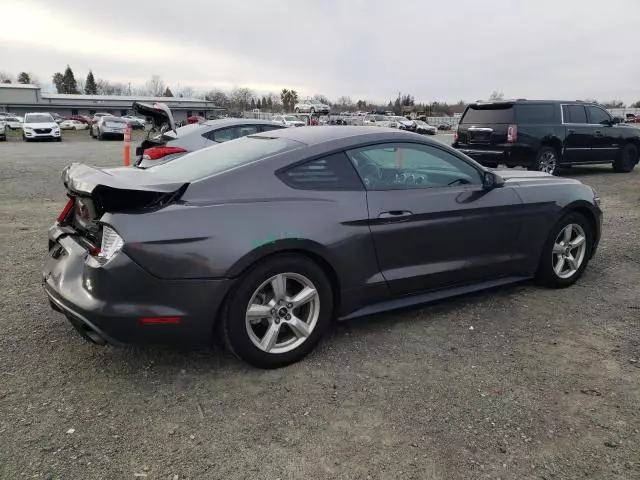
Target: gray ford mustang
[263,240]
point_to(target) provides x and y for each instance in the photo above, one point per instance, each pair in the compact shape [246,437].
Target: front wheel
[278,312]
[628,159]
[566,252]
[546,161]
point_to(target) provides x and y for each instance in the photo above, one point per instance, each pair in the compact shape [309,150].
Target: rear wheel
[278,312]
[296,110]
[546,161]
[628,159]
[566,252]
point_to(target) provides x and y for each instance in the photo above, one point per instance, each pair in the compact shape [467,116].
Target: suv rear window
[536,113]
[498,113]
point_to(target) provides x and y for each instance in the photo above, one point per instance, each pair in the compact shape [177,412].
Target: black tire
[232,325]
[59,139]
[297,110]
[628,159]
[24,139]
[546,274]
[543,158]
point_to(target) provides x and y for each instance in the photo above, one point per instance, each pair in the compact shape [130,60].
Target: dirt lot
[515,383]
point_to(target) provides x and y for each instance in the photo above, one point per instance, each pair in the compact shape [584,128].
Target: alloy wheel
[569,250]
[282,313]
[547,162]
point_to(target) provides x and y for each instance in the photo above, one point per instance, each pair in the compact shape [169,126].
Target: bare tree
[187,92]
[322,99]
[496,95]
[155,86]
[613,104]
[345,102]
[104,87]
[5,77]
[241,97]
[217,97]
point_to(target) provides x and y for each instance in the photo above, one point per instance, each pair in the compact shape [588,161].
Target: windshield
[290,118]
[224,156]
[114,120]
[38,118]
[380,118]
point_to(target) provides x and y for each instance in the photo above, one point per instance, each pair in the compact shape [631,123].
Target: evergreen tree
[24,77]
[58,80]
[90,87]
[69,84]
[167,93]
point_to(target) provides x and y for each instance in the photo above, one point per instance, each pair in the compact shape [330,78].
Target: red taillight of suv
[62,218]
[156,153]
[512,134]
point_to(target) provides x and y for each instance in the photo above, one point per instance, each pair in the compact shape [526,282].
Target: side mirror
[616,120]
[491,180]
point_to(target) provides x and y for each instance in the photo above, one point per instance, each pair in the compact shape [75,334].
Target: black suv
[545,134]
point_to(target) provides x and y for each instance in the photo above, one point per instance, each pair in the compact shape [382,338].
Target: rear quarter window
[489,114]
[333,172]
[538,113]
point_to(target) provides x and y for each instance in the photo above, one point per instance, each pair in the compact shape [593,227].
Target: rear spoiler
[159,113]
[83,179]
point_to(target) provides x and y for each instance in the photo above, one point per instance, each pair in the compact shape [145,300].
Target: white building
[21,99]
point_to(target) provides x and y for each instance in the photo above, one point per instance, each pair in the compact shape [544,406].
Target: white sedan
[73,125]
[288,120]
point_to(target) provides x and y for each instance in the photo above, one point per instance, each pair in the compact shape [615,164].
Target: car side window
[574,114]
[333,172]
[403,166]
[231,133]
[267,128]
[598,115]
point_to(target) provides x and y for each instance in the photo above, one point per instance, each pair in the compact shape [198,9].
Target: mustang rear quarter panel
[228,221]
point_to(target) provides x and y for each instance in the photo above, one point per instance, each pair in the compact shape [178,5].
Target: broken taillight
[156,153]
[64,214]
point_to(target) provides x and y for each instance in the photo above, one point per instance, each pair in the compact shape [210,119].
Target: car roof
[224,122]
[524,101]
[327,133]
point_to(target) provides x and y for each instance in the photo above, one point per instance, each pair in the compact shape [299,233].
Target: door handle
[395,215]
[598,133]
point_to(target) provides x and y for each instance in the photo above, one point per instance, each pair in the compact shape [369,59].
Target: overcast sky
[369,49]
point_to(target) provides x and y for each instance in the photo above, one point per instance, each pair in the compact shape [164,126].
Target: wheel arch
[305,248]
[555,143]
[586,210]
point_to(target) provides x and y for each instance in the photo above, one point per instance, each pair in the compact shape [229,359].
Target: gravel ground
[515,383]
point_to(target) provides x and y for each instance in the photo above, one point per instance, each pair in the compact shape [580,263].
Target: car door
[433,223]
[578,135]
[605,143]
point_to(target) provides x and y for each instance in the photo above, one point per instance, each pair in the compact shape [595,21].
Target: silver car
[172,144]
[311,106]
[108,126]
